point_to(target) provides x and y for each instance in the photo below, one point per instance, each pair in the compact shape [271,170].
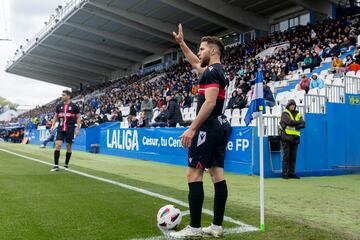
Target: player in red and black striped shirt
[207,136]
[67,114]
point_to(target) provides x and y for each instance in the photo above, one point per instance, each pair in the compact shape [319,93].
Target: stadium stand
[282,70]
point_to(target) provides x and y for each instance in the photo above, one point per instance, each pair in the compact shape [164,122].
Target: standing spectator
[173,112]
[291,122]
[268,95]
[316,82]
[147,109]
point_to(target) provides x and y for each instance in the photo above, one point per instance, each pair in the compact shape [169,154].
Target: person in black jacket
[161,119]
[187,100]
[268,95]
[291,122]
[232,101]
[173,112]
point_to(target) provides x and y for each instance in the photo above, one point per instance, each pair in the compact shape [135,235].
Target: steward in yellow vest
[291,122]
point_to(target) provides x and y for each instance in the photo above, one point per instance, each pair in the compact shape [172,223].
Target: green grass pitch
[38,204]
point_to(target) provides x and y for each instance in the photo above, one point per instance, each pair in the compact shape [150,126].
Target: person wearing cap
[291,122]
[316,82]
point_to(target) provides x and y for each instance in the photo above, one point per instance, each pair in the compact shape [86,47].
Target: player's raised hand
[179,37]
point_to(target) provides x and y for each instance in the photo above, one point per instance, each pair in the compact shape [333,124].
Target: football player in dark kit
[67,114]
[207,136]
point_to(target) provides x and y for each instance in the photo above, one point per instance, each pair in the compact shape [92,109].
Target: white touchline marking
[227,231]
[243,226]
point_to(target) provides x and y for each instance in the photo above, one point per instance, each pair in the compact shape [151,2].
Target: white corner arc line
[139,190]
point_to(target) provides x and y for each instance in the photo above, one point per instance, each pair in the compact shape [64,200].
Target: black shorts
[208,146]
[67,136]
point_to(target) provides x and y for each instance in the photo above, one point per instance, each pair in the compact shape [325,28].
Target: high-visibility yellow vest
[292,130]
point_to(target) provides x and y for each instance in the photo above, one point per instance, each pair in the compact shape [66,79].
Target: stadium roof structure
[85,41]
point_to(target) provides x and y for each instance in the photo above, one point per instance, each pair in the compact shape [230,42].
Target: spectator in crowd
[316,82]
[316,60]
[244,86]
[187,100]
[337,62]
[304,84]
[143,121]
[354,67]
[116,116]
[291,122]
[232,104]
[250,95]
[147,109]
[308,62]
[357,56]
[173,112]
[348,60]
[134,122]
[162,118]
[239,61]
[268,95]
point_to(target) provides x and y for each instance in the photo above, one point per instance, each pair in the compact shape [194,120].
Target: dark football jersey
[67,114]
[213,76]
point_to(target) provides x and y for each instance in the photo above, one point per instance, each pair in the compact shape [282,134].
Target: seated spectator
[161,119]
[354,67]
[348,60]
[232,101]
[304,84]
[357,56]
[133,122]
[337,63]
[249,95]
[308,62]
[116,116]
[187,100]
[142,123]
[173,112]
[160,102]
[316,82]
[268,96]
[292,65]
[244,86]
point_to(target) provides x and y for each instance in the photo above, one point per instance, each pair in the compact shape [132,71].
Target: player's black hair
[67,92]
[214,40]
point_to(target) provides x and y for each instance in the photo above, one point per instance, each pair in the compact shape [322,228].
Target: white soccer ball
[169,217]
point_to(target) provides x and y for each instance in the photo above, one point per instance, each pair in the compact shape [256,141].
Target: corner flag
[256,110]
[257,104]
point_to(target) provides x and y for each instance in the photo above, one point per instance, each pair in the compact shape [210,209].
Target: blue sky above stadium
[25,18]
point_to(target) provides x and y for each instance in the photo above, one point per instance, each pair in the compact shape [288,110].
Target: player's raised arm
[192,58]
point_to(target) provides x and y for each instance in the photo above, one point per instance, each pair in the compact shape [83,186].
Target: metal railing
[271,125]
[315,104]
[55,19]
[335,94]
[352,85]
